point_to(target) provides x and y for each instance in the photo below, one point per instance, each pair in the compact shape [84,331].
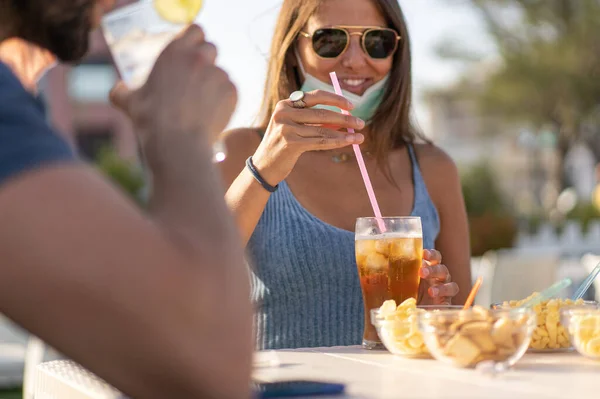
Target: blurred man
[156,304]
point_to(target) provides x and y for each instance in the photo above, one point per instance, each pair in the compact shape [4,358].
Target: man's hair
[60,26]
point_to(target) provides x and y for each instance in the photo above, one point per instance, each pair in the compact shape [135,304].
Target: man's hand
[185,92]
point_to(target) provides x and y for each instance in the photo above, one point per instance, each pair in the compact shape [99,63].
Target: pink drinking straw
[361,161]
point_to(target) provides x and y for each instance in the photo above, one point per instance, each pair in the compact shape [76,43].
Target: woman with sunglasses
[295,187]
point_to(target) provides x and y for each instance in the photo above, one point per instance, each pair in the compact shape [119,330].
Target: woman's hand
[436,280]
[293,131]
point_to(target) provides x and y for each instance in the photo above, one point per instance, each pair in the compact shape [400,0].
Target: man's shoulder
[10,86]
[7,76]
[26,139]
[17,105]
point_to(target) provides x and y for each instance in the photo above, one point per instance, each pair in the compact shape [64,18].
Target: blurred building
[524,161]
[78,106]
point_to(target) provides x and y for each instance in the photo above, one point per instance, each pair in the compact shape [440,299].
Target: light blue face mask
[365,106]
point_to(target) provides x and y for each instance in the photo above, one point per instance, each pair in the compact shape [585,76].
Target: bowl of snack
[397,326]
[549,336]
[583,327]
[465,338]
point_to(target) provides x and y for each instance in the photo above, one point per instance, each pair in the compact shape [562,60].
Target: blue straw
[586,283]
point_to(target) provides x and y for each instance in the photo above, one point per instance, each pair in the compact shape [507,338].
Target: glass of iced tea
[388,264]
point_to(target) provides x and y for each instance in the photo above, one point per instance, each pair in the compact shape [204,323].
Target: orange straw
[473,292]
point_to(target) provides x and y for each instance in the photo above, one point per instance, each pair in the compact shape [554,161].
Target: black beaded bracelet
[258,177]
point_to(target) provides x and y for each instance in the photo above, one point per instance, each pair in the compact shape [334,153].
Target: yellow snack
[501,331]
[485,342]
[388,309]
[178,11]
[585,331]
[410,303]
[593,347]
[470,337]
[462,349]
[562,341]
[549,333]
[536,344]
[552,333]
[415,341]
[402,333]
[541,320]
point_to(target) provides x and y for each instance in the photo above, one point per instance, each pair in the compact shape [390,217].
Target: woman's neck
[27,61]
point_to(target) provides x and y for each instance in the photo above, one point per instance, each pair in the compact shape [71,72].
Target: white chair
[37,353]
[484,267]
[66,379]
[20,354]
[545,238]
[589,262]
[593,235]
[518,274]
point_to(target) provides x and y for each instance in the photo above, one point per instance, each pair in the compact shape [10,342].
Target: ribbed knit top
[305,282]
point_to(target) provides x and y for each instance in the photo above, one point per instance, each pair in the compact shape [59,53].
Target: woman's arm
[443,183]
[292,132]
[245,198]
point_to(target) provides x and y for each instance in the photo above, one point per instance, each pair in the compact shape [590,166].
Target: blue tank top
[305,284]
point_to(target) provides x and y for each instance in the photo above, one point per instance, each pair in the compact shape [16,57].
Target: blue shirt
[27,142]
[305,282]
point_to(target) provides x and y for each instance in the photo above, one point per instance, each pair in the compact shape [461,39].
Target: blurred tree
[492,224]
[549,69]
[125,174]
[584,213]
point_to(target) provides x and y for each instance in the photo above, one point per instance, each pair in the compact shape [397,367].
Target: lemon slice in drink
[178,11]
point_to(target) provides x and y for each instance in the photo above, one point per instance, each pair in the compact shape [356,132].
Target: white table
[378,374]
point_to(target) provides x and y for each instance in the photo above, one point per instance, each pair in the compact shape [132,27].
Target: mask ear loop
[299,61]
[298,68]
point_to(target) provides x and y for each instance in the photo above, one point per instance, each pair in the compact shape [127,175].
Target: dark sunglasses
[377,43]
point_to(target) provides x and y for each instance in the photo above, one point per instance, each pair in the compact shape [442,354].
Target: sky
[242,31]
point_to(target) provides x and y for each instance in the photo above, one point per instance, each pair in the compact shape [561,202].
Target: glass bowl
[465,338]
[583,327]
[399,332]
[550,335]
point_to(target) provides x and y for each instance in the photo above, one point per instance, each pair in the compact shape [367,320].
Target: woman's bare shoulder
[438,169]
[242,139]
[240,143]
[432,156]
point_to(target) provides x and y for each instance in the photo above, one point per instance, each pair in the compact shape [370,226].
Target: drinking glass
[136,34]
[388,265]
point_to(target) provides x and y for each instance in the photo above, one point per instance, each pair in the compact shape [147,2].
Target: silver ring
[297,99]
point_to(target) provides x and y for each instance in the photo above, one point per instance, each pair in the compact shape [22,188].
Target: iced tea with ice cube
[388,268]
